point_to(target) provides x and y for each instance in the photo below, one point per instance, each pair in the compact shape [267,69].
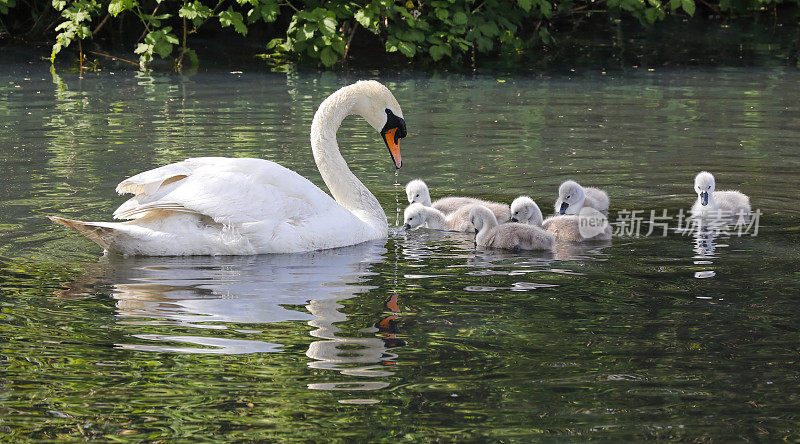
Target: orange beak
[393,143]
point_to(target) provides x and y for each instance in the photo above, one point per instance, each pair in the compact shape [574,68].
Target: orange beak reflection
[393,143]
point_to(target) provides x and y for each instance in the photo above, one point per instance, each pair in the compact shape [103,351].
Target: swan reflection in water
[237,295]
[705,234]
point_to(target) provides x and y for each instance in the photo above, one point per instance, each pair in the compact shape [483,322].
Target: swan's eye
[567,197]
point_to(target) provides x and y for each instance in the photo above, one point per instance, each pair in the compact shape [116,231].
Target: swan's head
[524,210]
[703,185]
[417,191]
[378,105]
[570,198]
[482,218]
[414,216]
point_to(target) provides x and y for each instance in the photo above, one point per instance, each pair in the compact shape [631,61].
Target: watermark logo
[637,223]
[591,222]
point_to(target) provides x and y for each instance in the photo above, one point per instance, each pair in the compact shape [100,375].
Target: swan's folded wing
[148,182]
[236,191]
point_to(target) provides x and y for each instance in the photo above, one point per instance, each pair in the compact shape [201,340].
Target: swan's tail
[101,235]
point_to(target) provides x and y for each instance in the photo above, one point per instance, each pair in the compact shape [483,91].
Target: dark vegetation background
[462,34]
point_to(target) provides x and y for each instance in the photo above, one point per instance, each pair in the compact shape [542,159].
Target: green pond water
[419,337]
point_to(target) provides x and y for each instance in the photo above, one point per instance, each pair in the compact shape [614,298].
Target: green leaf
[407,48]
[59,4]
[117,6]
[328,56]
[459,18]
[442,14]
[437,52]
[363,19]
[328,26]
[525,5]
[688,6]
[233,18]
[489,29]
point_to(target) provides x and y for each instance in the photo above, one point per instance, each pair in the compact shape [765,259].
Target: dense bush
[444,31]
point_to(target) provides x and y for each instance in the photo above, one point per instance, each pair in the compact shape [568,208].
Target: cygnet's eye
[708,187]
[417,195]
[516,212]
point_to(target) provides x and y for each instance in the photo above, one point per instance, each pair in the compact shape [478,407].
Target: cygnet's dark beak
[514,219]
[406,227]
[563,209]
[704,198]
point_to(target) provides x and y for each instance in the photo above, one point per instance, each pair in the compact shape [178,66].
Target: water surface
[421,336]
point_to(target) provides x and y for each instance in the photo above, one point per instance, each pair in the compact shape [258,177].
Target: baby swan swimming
[417,191]
[722,204]
[567,228]
[564,228]
[572,197]
[525,211]
[417,215]
[510,236]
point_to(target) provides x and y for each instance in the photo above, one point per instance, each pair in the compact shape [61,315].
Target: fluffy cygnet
[572,197]
[510,236]
[711,203]
[566,228]
[417,191]
[525,211]
[417,215]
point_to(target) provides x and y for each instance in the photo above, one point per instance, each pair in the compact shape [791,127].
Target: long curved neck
[345,187]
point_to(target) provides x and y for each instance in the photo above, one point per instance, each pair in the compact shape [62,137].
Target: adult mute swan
[230,206]
[509,236]
[417,191]
[572,197]
[722,204]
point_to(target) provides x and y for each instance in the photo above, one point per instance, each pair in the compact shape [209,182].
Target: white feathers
[525,211]
[572,197]
[417,192]
[218,205]
[724,205]
[417,215]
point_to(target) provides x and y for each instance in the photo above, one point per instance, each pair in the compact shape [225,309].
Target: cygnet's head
[524,210]
[482,218]
[417,191]
[571,197]
[414,216]
[379,107]
[703,185]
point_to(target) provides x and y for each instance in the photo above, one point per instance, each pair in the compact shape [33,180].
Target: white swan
[525,211]
[723,204]
[417,215]
[417,191]
[218,205]
[572,197]
[510,236]
[567,228]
